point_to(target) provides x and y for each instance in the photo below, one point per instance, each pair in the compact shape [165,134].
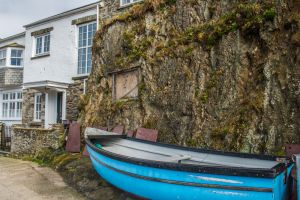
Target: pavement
[22,180]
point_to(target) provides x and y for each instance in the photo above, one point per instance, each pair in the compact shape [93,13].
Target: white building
[58,52]
[11,79]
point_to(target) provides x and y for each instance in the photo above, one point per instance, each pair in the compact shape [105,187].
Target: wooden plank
[73,141]
[119,130]
[292,149]
[147,134]
[85,152]
[130,133]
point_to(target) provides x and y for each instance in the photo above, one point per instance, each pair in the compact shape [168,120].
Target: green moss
[246,16]
[280,152]
[45,157]
[205,97]
[136,12]
[270,14]
[123,104]
[189,50]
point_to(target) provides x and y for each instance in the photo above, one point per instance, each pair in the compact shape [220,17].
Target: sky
[14,14]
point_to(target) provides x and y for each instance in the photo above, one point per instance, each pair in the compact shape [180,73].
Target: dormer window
[42,44]
[128,2]
[3,57]
[16,57]
[11,57]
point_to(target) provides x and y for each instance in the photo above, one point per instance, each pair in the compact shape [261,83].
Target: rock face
[214,74]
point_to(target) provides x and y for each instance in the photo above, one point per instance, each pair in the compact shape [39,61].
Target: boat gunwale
[219,170]
[183,183]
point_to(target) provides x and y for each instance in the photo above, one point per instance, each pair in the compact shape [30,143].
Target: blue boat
[161,171]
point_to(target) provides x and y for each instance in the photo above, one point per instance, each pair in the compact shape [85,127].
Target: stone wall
[74,94]
[110,9]
[31,140]
[10,77]
[28,106]
[214,74]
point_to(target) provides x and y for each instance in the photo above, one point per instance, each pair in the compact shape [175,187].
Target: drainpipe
[98,15]
[298,175]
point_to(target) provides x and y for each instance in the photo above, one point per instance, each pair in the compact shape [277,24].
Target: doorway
[59,107]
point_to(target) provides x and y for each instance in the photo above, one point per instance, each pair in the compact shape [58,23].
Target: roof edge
[13,37]
[61,15]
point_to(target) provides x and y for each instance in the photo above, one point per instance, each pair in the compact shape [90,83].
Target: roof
[16,45]
[13,37]
[45,84]
[64,14]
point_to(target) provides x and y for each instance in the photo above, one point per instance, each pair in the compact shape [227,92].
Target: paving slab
[22,180]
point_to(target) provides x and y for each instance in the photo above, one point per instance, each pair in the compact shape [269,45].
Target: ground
[26,180]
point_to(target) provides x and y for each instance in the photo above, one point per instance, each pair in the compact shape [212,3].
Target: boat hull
[164,184]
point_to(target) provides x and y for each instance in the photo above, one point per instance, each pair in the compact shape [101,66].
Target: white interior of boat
[154,152]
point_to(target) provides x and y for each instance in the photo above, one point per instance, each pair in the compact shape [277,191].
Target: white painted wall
[61,65]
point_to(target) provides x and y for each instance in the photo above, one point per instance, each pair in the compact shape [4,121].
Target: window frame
[130,3]
[37,113]
[41,39]
[12,100]
[85,70]
[15,57]
[4,58]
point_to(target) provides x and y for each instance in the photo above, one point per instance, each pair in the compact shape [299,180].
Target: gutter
[62,15]
[13,37]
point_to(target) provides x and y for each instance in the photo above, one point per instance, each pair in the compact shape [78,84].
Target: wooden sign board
[125,84]
[73,141]
[147,134]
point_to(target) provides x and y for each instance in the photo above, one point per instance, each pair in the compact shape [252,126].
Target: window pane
[13,61]
[89,60]
[94,28]
[19,53]
[90,34]
[12,109]
[38,106]
[19,94]
[2,62]
[47,43]
[5,96]
[13,53]
[4,109]
[19,109]
[39,41]
[84,36]
[12,96]
[2,54]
